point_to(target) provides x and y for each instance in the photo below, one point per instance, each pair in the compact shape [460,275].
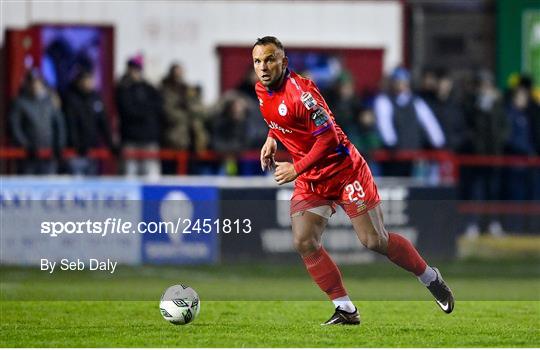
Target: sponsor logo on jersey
[319,117]
[295,84]
[361,206]
[276,126]
[282,109]
[308,100]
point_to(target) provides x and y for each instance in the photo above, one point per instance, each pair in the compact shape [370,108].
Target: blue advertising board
[181,223]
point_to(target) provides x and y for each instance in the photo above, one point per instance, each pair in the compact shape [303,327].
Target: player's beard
[276,83]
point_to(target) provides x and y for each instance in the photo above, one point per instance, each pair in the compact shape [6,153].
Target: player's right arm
[268,151]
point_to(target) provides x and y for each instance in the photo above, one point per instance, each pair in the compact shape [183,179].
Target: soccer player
[329,171]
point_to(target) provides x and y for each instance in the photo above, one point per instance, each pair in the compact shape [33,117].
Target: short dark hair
[269,40]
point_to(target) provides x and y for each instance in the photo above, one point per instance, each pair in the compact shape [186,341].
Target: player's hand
[284,173]
[268,151]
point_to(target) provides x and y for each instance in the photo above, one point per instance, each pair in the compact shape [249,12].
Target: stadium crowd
[473,118]
[469,118]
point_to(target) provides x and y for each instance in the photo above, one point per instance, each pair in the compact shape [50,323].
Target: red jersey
[291,121]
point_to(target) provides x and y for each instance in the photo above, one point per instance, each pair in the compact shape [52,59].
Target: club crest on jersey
[282,109]
[260,102]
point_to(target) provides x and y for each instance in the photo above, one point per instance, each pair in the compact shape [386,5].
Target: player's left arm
[321,126]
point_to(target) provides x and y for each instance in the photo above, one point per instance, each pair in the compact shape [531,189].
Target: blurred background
[154,101]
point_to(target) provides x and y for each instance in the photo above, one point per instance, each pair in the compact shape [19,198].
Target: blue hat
[400,74]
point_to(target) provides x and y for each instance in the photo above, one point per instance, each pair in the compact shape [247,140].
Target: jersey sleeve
[319,122]
[314,111]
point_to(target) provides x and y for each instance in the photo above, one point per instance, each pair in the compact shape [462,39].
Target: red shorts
[353,189]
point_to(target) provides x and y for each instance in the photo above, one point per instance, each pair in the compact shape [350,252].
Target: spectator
[257,128]
[519,184]
[344,102]
[231,132]
[520,139]
[405,121]
[520,142]
[533,111]
[200,117]
[246,87]
[429,82]
[87,122]
[184,119]
[448,111]
[487,132]
[140,111]
[364,135]
[37,124]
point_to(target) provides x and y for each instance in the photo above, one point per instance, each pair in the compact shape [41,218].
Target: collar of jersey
[287,75]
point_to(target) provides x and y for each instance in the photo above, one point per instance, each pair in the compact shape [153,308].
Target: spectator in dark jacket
[231,126]
[247,84]
[344,102]
[37,124]
[487,133]
[234,131]
[140,111]
[87,122]
[448,112]
[485,118]
[520,142]
[521,138]
[520,181]
[533,111]
[429,82]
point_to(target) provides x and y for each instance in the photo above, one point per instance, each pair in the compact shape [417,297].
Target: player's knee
[306,246]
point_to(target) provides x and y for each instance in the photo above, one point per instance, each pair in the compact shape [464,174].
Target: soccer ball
[179,304]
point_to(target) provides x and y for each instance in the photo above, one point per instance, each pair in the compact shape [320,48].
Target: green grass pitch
[270,306]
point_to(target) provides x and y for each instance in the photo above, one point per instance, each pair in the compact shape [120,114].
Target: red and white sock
[402,253]
[325,273]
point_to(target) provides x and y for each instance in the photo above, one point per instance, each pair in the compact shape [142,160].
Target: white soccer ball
[179,304]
